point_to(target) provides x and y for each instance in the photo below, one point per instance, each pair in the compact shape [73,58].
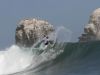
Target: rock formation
[92,29]
[29,31]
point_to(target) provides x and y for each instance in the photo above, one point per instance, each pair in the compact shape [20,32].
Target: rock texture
[92,29]
[29,31]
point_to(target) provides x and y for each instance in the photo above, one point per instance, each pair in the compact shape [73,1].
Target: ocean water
[61,58]
[75,59]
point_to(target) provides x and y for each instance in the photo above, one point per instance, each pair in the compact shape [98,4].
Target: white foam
[14,60]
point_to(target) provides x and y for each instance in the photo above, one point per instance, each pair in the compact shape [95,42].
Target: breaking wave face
[21,61]
[59,58]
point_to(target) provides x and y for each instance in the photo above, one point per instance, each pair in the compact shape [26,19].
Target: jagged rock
[29,31]
[92,29]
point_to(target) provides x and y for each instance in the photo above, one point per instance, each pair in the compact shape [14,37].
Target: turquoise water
[75,59]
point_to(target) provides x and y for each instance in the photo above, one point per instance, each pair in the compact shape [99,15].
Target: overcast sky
[73,14]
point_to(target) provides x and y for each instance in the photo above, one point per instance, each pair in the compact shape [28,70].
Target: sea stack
[29,31]
[92,29]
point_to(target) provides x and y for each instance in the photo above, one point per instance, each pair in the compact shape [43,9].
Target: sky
[73,14]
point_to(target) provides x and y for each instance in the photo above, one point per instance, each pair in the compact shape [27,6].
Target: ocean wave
[75,59]
[21,60]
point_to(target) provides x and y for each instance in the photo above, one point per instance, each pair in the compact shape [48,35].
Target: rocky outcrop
[92,29]
[29,31]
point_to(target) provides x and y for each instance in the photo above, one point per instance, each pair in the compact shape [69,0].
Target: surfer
[46,40]
[44,43]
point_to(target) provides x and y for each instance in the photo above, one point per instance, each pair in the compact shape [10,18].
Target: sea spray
[59,37]
[14,60]
[63,34]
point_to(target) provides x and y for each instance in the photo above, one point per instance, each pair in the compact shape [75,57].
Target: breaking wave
[60,58]
[19,60]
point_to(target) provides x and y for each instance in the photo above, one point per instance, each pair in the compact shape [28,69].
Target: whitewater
[18,60]
[14,59]
[62,58]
